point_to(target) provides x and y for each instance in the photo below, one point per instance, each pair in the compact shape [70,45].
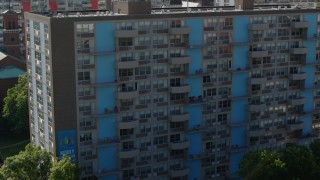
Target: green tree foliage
[15,109]
[36,164]
[64,169]
[292,163]
[315,149]
[32,163]
[263,165]
[299,162]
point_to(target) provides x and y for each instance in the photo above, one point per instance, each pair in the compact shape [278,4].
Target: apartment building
[142,93]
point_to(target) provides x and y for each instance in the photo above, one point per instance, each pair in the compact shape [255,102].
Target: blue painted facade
[239,89]
[108,161]
[194,166]
[105,72]
[312,19]
[195,82]
[106,96]
[310,44]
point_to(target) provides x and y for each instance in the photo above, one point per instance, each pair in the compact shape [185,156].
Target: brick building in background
[10,70]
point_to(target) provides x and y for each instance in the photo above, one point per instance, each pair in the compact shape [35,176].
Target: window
[160,140]
[83,76]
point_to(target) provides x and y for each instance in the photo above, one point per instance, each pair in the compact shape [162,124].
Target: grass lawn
[10,151]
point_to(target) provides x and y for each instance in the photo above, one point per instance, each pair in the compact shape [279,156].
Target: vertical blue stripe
[311,51]
[106,98]
[107,127]
[195,115]
[104,36]
[307,123]
[309,82]
[107,158]
[240,29]
[105,69]
[239,84]
[195,144]
[239,88]
[196,60]
[195,37]
[236,158]
[196,86]
[194,170]
[312,19]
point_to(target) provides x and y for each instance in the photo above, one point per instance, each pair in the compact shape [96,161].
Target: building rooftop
[182,10]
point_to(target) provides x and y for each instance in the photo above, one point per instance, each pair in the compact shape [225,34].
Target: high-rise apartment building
[141,93]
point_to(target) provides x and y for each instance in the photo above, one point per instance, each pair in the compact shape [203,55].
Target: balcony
[105,172]
[179,117]
[299,50]
[257,27]
[129,153]
[179,30]
[105,141]
[258,80]
[257,54]
[128,124]
[127,64]
[297,101]
[174,173]
[256,132]
[179,145]
[301,24]
[298,76]
[128,94]
[86,5]
[126,33]
[180,89]
[179,60]
[295,126]
[257,107]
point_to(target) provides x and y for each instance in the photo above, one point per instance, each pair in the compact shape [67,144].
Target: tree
[299,161]
[15,109]
[293,163]
[64,169]
[32,163]
[315,149]
[262,165]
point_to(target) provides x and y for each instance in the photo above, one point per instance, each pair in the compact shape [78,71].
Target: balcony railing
[257,107]
[295,126]
[256,132]
[259,53]
[126,33]
[180,89]
[298,50]
[129,153]
[298,76]
[127,64]
[174,173]
[258,80]
[180,30]
[297,101]
[127,94]
[301,24]
[256,27]
[128,124]
[179,60]
[179,117]
[179,145]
